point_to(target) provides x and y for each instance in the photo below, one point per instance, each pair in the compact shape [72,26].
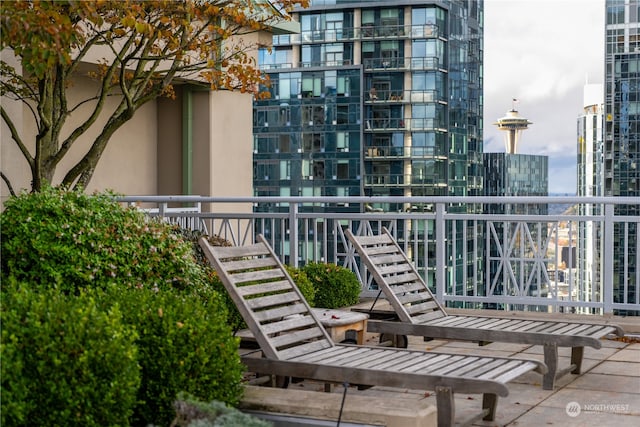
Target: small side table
[338,322]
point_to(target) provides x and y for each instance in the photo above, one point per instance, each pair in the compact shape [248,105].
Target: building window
[342,141]
[313,143]
[313,115]
[318,169]
[342,170]
[285,169]
[285,143]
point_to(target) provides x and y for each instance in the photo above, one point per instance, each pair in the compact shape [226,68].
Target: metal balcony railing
[366,32]
[556,262]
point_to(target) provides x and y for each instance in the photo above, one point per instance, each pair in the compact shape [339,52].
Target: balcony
[390,96]
[392,124]
[394,62]
[504,261]
[366,32]
[303,229]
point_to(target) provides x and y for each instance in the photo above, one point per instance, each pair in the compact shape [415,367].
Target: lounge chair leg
[577,354]
[445,405]
[489,405]
[551,360]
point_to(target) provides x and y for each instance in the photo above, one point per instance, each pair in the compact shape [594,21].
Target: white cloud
[542,52]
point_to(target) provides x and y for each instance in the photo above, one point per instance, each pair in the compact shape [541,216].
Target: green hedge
[335,286]
[80,250]
[184,344]
[65,361]
[72,240]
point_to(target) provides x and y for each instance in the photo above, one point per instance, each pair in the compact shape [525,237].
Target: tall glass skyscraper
[374,98]
[590,183]
[621,169]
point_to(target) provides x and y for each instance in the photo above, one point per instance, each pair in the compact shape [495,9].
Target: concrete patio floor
[606,394]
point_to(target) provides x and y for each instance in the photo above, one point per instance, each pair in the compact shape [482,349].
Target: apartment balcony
[396,63]
[365,32]
[401,153]
[390,96]
[402,125]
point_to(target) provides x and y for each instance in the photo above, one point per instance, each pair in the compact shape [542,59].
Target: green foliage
[95,261]
[184,344]
[304,284]
[65,361]
[335,286]
[71,240]
[191,412]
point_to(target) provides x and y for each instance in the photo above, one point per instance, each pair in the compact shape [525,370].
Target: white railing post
[607,259]
[441,253]
[162,207]
[293,234]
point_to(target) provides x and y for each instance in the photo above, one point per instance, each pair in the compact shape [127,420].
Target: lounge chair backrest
[394,273]
[268,299]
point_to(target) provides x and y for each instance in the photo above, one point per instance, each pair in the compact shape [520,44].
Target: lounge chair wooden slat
[392,258]
[472,328]
[254,263]
[417,296]
[227,252]
[428,316]
[297,337]
[294,342]
[254,276]
[401,278]
[412,286]
[273,300]
[382,250]
[262,288]
[280,312]
[394,269]
[294,322]
[421,308]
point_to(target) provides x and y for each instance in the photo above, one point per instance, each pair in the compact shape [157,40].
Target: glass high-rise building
[374,98]
[590,162]
[621,151]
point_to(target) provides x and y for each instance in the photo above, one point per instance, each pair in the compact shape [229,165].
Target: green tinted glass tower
[375,98]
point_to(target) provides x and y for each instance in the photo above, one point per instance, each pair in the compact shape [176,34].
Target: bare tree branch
[8,183]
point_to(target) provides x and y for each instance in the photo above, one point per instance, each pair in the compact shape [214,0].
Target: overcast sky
[542,52]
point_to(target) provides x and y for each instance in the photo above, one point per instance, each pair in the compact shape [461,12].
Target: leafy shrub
[68,243]
[184,344]
[65,361]
[72,240]
[335,286]
[304,284]
[191,412]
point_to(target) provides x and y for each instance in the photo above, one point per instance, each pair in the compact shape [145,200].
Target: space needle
[513,123]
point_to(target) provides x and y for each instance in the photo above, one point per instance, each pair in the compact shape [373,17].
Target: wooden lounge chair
[420,314]
[293,342]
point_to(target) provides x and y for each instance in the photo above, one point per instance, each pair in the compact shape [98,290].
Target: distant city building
[513,174]
[374,98]
[590,183]
[621,166]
